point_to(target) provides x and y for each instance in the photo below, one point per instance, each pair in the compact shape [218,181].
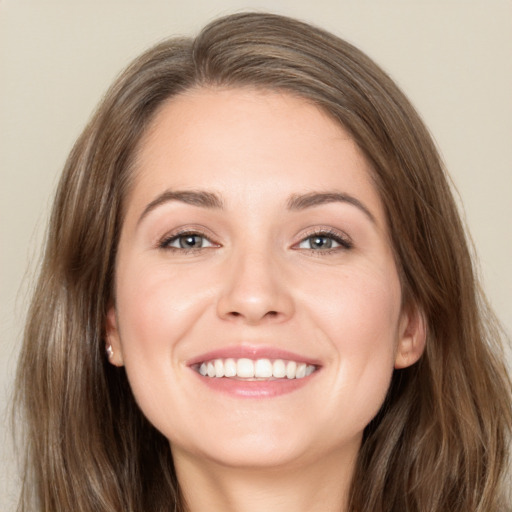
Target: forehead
[243,141]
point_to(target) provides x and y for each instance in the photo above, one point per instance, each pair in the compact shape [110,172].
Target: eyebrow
[296,202]
[199,198]
[303,201]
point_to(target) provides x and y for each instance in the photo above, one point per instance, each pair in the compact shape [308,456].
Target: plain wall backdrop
[453,58]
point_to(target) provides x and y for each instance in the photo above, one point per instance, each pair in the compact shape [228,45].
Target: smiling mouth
[254,369]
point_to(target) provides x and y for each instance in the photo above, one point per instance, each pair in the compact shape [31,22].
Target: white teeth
[309,369]
[279,369]
[291,369]
[219,368]
[263,368]
[245,368]
[230,368]
[301,371]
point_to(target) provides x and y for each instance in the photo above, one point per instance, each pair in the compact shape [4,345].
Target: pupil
[189,241]
[321,242]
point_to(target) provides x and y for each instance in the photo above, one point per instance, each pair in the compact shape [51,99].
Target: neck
[316,487]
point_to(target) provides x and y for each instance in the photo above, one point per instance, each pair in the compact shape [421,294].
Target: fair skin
[253,231]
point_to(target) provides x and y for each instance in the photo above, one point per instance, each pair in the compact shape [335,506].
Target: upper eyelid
[187,230]
[325,231]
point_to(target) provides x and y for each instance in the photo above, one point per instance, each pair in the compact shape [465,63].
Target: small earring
[109,350]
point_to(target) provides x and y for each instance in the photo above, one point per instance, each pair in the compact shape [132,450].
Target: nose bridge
[255,288]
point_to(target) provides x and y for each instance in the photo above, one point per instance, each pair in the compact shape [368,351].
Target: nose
[255,290]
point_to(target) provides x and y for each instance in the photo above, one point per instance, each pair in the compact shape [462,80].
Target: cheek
[358,314]
[158,312]
[359,309]
[157,308]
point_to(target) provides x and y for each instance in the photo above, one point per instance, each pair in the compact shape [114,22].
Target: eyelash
[167,240]
[344,242]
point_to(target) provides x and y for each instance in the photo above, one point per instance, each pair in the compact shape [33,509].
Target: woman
[257,295]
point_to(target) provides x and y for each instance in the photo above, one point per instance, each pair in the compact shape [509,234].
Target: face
[257,303]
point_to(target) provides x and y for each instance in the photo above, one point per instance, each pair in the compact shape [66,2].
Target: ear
[112,338]
[412,337]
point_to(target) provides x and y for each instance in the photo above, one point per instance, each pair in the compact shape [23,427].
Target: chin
[246,454]
[265,447]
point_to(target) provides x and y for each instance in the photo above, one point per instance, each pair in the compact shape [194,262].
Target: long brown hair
[441,440]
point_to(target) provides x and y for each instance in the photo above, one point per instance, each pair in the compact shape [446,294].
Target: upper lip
[252,352]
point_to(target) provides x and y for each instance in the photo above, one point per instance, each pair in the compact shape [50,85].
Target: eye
[186,241]
[324,242]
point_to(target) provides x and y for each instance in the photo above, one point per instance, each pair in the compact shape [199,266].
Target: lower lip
[254,388]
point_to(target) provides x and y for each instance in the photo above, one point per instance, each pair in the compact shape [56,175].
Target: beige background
[453,59]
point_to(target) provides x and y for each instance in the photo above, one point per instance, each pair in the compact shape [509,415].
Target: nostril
[268,314]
